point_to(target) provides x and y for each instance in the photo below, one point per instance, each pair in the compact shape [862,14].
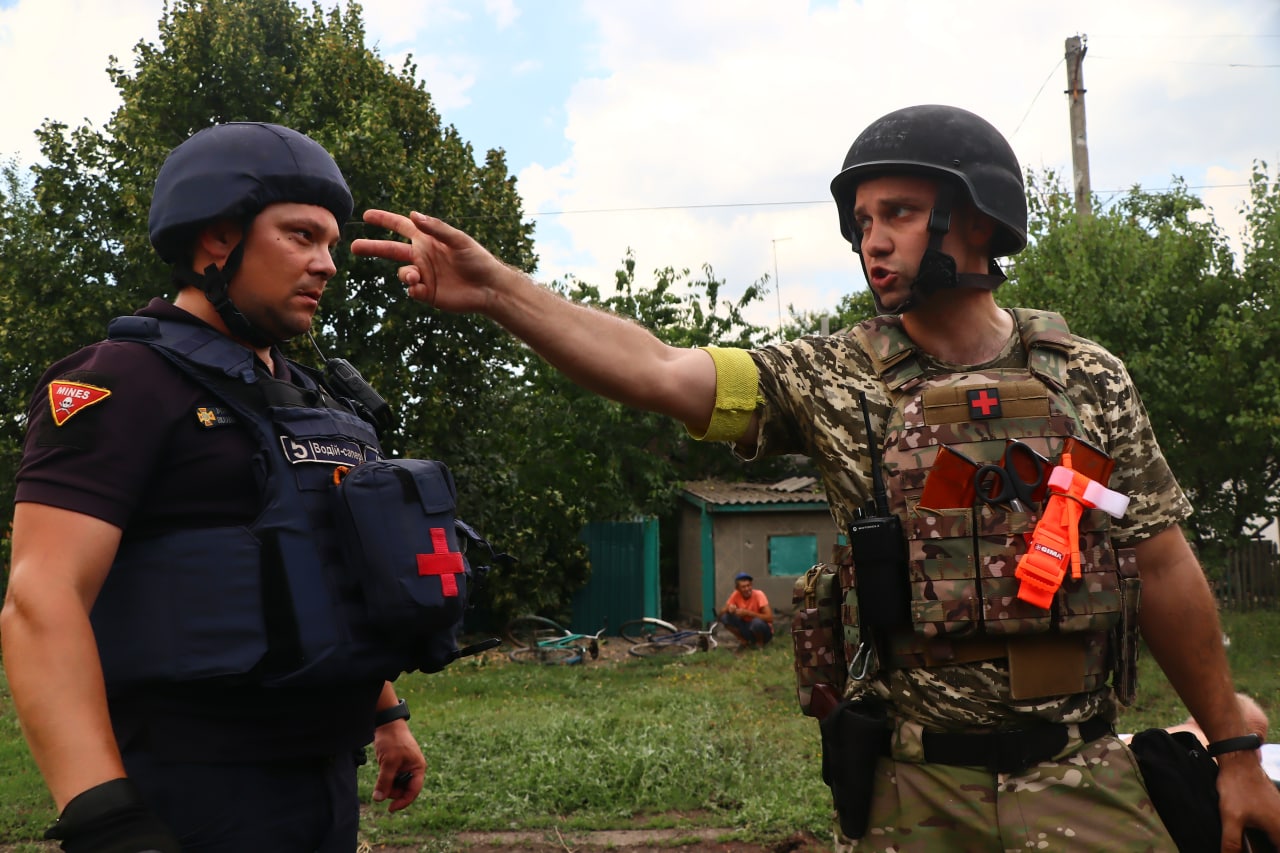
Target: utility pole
[1076,48]
[777,283]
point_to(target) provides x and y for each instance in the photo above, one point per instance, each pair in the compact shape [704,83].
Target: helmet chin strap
[937,268]
[213,283]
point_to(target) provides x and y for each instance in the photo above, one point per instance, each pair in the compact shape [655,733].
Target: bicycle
[538,639]
[650,637]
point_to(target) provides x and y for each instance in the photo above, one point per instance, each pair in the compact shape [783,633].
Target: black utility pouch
[880,569]
[854,737]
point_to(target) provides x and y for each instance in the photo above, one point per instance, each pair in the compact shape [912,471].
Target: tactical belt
[1007,751]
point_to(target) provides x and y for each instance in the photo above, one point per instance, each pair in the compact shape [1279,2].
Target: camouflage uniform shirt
[810,388]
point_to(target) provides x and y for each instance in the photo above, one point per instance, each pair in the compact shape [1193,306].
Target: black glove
[111,818]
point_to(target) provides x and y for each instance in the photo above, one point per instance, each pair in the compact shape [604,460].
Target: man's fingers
[391,221]
[392,250]
[439,229]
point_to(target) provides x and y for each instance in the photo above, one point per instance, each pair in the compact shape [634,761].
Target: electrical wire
[1047,78]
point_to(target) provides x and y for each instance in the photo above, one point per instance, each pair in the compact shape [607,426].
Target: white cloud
[706,105]
[504,12]
[53,60]
[756,101]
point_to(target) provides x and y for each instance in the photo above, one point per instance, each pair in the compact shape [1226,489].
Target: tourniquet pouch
[816,633]
[395,519]
[854,737]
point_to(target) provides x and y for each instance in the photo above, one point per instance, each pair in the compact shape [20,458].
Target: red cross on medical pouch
[445,563]
[984,403]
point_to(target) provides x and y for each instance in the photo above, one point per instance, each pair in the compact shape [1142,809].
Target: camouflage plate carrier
[961,561]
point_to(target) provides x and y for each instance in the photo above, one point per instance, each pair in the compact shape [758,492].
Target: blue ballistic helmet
[233,171]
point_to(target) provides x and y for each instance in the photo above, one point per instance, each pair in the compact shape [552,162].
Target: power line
[743,204]
[1164,36]
[1189,62]
[1037,97]
[679,207]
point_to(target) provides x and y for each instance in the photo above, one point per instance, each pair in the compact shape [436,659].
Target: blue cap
[742,576]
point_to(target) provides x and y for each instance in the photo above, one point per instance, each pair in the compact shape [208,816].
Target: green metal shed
[772,531]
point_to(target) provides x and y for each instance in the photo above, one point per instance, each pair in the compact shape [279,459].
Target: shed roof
[793,490]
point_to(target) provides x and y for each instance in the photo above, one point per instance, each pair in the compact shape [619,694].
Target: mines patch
[68,398]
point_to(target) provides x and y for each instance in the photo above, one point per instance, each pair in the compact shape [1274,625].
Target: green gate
[624,575]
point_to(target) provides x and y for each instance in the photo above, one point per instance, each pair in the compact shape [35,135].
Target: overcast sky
[707,132]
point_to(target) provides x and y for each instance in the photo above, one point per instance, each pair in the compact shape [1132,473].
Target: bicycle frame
[542,640]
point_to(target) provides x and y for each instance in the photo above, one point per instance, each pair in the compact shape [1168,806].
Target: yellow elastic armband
[737,394]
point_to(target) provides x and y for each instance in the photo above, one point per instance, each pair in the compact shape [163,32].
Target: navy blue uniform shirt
[156,453]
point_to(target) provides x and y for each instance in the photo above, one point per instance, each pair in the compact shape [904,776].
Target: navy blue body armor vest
[273,602]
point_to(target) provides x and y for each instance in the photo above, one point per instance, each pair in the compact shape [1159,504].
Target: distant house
[773,532]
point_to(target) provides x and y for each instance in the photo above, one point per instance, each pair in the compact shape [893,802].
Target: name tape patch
[69,398]
[326,451]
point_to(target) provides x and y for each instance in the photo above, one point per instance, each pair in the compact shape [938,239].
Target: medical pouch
[395,519]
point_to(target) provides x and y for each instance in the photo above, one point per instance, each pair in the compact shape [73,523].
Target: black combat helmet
[233,171]
[946,142]
[966,154]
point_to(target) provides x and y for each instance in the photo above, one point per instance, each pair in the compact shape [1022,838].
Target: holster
[854,737]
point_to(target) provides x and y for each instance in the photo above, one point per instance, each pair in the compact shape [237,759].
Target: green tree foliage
[1153,278]
[853,308]
[74,249]
[582,458]
[534,457]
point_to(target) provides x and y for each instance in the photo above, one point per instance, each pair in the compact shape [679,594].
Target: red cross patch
[445,563]
[68,398]
[984,403]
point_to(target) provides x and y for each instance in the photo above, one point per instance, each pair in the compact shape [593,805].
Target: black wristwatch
[398,711]
[1235,744]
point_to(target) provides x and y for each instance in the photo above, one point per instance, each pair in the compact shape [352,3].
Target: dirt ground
[615,841]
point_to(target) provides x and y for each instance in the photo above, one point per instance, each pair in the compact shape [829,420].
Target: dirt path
[704,840]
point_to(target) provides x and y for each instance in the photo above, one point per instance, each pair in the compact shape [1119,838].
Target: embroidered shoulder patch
[68,398]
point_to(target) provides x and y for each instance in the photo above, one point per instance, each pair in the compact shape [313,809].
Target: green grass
[710,740]
[707,740]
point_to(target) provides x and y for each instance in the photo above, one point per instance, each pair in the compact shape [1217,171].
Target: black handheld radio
[879,551]
[345,381]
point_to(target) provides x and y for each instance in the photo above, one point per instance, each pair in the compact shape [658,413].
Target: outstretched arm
[603,353]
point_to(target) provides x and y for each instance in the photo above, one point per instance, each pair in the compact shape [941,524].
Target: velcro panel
[950,404]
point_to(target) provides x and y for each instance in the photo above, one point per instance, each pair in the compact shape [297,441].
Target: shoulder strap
[892,353]
[188,345]
[197,344]
[1048,342]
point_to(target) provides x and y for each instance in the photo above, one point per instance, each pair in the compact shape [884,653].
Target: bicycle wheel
[644,630]
[720,633]
[546,655]
[526,631]
[658,649]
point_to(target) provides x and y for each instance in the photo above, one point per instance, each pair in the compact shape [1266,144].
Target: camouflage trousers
[1092,800]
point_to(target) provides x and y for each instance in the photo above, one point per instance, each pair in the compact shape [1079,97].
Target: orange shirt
[755,603]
